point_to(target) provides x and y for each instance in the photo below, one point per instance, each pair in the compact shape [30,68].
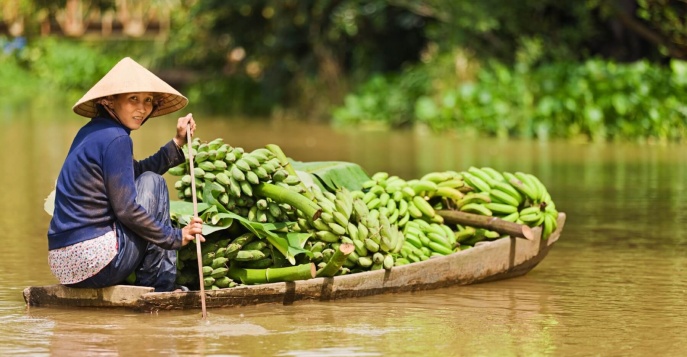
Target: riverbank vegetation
[596,70]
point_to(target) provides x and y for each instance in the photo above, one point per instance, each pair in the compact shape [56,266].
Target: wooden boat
[503,258]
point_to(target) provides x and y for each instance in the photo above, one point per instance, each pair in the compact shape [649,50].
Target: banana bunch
[218,255]
[515,197]
[235,173]
[376,239]
[539,210]
[402,200]
[425,240]
[346,219]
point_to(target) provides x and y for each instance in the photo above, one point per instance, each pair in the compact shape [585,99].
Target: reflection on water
[613,285]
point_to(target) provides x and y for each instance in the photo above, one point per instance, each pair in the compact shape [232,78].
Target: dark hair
[102,112]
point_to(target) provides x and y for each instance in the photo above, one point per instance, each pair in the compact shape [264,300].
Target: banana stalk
[279,154]
[272,275]
[487,222]
[336,261]
[284,195]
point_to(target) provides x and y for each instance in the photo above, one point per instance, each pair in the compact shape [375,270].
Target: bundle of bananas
[403,200]
[346,219]
[236,173]
[516,197]
[390,221]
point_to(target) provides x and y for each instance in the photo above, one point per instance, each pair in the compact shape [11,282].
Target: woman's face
[133,108]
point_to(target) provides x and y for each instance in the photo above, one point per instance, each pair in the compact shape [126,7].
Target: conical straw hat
[127,76]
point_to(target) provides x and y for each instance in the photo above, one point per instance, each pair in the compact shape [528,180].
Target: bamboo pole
[195,214]
[487,222]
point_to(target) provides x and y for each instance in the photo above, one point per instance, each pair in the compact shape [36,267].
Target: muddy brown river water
[614,284]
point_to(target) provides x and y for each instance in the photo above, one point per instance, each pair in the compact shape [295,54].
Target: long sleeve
[168,156]
[119,175]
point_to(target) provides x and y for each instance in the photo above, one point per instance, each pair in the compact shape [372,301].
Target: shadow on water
[613,285]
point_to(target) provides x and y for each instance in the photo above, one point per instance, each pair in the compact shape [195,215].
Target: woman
[111,215]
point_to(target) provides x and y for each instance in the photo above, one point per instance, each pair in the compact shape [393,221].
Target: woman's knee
[150,180]
[152,193]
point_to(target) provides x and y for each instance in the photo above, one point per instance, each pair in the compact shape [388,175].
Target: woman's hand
[182,123]
[188,233]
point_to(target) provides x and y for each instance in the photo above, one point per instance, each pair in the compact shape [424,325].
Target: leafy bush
[596,99]
[386,100]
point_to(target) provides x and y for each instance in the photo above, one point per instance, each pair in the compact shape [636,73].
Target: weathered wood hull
[501,259]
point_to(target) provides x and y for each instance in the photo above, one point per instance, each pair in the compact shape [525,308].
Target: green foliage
[497,28]
[233,95]
[282,45]
[63,65]
[669,18]
[597,99]
[68,65]
[386,100]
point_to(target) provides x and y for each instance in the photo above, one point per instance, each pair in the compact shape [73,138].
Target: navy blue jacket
[96,187]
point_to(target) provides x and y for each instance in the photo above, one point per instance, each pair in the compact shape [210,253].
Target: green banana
[506,188]
[179,170]
[513,217]
[482,175]
[528,210]
[380,176]
[452,183]
[246,188]
[235,187]
[501,208]
[474,197]
[292,180]
[422,186]
[327,236]
[449,192]
[230,157]
[218,273]
[207,166]
[439,248]
[550,224]
[201,156]
[436,177]
[499,196]
[371,245]
[476,208]
[402,207]
[249,255]
[495,175]
[251,177]
[527,181]
[524,189]
[198,172]
[465,234]
[242,164]
[251,161]
[237,173]
[533,219]
[423,206]
[475,182]
[337,228]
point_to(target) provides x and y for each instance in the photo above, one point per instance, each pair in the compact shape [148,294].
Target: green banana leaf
[216,217]
[182,211]
[332,175]
[289,244]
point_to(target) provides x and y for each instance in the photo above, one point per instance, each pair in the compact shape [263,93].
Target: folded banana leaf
[331,175]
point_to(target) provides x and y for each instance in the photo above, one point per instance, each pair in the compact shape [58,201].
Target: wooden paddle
[195,214]
[491,223]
